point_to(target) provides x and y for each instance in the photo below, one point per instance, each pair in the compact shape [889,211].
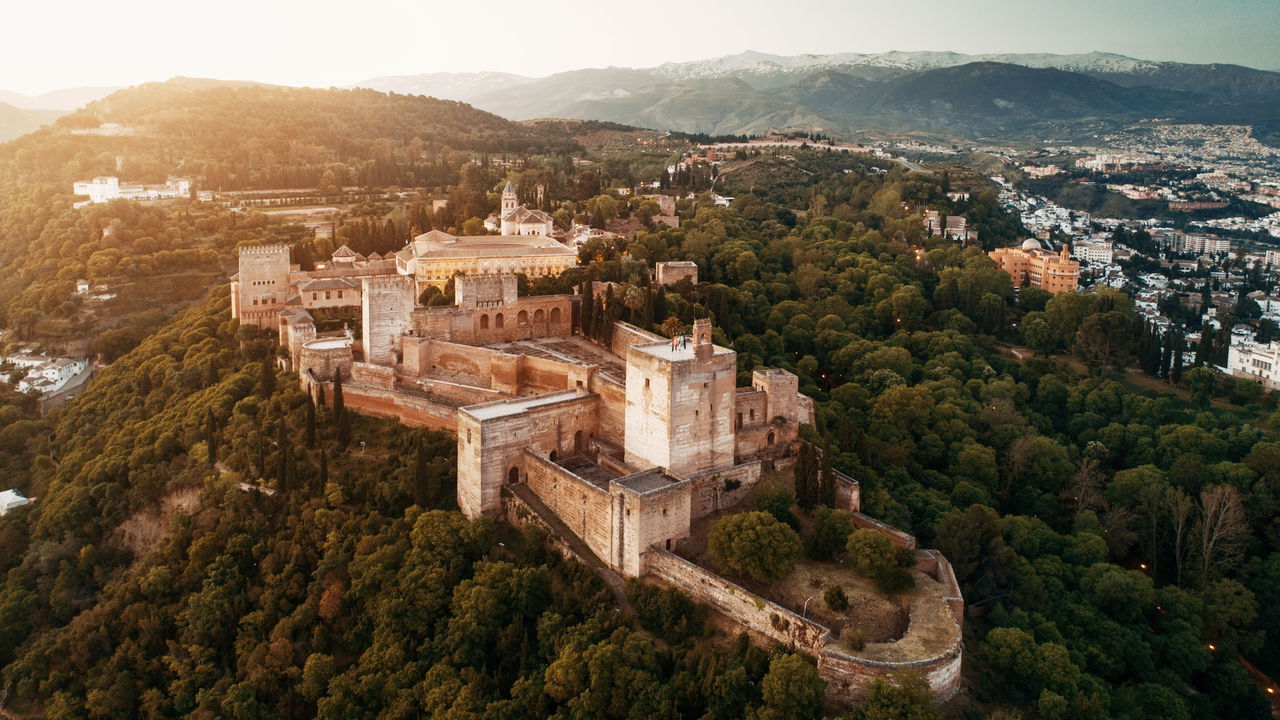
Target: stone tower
[386,302]
[262,286]
[509,200]
[680,402]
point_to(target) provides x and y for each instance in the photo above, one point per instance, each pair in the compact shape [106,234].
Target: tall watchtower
[680,400]
[262,286]
[386,302]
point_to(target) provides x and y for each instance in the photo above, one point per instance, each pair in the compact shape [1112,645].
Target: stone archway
[513,475]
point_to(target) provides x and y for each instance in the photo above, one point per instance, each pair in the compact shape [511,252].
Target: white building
[1094,252]
[1256,362]
[10,499]
[46,375]
[516,219]
[105,189]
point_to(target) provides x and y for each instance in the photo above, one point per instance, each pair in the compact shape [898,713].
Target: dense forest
[208,541]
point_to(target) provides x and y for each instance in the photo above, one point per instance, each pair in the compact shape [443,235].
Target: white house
[10,499]
[105,189]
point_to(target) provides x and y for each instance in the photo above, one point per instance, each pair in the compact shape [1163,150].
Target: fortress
[616,450]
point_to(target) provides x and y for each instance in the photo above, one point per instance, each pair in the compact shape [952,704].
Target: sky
[51,45]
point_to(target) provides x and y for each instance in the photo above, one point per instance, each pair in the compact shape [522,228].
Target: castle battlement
[273,249]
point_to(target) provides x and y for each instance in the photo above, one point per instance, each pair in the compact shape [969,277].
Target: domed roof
[1031,244]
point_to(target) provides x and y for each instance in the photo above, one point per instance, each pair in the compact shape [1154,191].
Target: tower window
[646,382]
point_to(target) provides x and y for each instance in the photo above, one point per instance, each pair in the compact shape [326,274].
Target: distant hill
[64,99]
[449,86]
[1032,95]
[15,121]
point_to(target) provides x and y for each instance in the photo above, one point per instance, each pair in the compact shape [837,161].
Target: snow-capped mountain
[758,63]
[448,86]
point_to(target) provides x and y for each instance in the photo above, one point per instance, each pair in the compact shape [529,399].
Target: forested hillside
[210,542]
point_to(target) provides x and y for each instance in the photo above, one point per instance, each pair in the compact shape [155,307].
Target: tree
[211,435]
[903,695]
[827,483]
[754,544]
[339,406]
[1201,383]
[871,553]
[1223,529]
[671,326]
[831,529]
[1037,335]
[311,423]
[792,689]
[422,490]
[806,476]
[1178,506]
[267,378]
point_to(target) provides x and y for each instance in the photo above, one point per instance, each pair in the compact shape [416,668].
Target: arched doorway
[769,438]
[555,316]
[523,318]
[538,316]
[484,322]
[552,456]
[579,442]
[497,321]
[513,476]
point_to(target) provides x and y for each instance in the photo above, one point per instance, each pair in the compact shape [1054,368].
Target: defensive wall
[847,675]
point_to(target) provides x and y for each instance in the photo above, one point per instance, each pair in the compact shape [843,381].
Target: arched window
[497,321]
[484,322]
[578,444]
[555,315]
[769,439]
[523,318]
[538,316]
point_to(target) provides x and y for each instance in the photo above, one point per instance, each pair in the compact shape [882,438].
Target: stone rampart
[847,677]
[625,335]
[710,489]
[896,536]
[585,508]
[759,617]
[408,409]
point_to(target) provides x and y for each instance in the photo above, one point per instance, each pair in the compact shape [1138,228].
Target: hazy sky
[49,45]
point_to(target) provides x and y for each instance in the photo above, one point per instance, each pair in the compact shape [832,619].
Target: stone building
[435,257]
[1030,265]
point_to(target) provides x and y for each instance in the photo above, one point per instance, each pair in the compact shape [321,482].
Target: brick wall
[625,335]
[896,536]
[373,375]
[408,409]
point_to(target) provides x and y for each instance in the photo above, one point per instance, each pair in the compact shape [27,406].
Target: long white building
[1256,362]
[105,189]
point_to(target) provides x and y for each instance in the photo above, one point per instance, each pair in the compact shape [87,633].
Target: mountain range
[947,93]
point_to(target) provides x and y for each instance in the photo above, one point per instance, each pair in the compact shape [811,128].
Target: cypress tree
[1166,357]
[311,423]
[1175,374]
[324,470]
[827,481]
[344,430]
[211,435]
[338,405]
[319,395]
[422,491]
[282,455]
[806,477]
[267,380]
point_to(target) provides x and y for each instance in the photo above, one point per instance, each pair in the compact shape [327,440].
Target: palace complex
[617,449]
